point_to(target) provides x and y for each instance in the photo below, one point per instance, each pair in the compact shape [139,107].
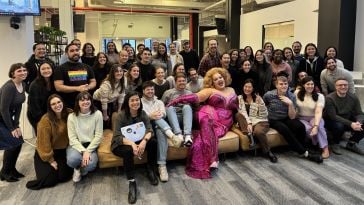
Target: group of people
[178,101]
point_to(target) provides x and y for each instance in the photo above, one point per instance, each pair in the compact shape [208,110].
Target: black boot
[132,196]
[151,175]
[16,174]
[315,157]
[272,157]
[7,177]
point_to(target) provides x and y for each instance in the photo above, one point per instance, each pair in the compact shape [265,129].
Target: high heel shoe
[272,157]
[8,177]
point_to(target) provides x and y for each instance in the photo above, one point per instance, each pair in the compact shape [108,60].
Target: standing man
[190,57]
[73,77]
[155,46]
[32,65]
[174,56]
[331,73]
[145,66]
[343,113]
[211,59]
[296,47]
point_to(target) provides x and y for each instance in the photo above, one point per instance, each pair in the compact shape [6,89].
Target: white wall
[16,45]
[144,26]
[300,11]
[359,40]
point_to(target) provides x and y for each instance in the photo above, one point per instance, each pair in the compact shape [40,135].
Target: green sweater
[85,128]
[343,109]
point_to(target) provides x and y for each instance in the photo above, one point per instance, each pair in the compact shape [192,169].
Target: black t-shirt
[146,71]
[73,74]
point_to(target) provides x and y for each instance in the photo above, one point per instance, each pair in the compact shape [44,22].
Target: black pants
[126,152]
[10,158]
[337,129]
[293,131]
[47,176]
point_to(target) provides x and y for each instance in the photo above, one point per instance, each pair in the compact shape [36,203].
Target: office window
[280,34]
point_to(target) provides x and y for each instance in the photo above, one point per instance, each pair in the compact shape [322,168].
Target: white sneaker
[188,141]
[76,175]
[163,173]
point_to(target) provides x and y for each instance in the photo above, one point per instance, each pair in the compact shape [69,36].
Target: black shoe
[8,177]
[17,174]
[273,158]
[152,176]
[132,196]
[315,157]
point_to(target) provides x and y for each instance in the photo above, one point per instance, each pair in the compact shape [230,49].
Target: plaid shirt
[207,62]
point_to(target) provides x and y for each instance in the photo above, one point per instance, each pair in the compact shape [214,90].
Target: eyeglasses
[342,85]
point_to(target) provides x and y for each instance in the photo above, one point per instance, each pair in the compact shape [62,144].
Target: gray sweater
[328,78]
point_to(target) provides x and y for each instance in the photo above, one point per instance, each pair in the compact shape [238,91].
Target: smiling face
[159,74]
[146,56]
[56,105]
[110,47]
[288,54]
[172,48]
[134,72]
[85,104]
[218,81]
[73,53]
[102,59]
[311,51]
[342,87]
[193,75]
[282,86]
[123,56]
[212,44]
[161,49]
[45,70]
[118,73]
[181,83]
[331,52]
[148,92]
[40,51]
[277,57]
[309,86]
[248,89]
[246,66]
[225,60]
[134,103]
[89,49]
[234,56]
[331,64]
[259,57]
[296,47]
[180,69]
[243,55]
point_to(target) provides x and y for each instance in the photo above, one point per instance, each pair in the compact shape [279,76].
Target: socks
[131,180]
[169,133]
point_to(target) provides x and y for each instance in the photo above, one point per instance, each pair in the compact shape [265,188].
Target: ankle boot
[151,175]
[132,196]
[272,157]
[16,174]
[7,177]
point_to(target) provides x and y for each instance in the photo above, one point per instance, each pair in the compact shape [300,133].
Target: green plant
[50,34]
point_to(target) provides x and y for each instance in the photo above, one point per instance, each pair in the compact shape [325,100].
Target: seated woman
[85,130]
[253,117]
[310,105]
[178,68]
[127,147]
[161,85]
[50,162]
[40,89]
[110,95]
[215,119]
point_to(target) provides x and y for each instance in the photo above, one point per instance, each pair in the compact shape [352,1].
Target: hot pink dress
[215,119]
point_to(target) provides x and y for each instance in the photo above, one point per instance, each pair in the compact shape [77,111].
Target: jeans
[185,116]
[74,160]
[162,146]
[162,124]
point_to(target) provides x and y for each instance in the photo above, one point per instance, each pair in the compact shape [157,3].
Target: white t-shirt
[307,107]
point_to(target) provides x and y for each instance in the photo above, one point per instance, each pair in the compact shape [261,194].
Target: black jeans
[10,158]
[337,129]
[126,152]
[293,131]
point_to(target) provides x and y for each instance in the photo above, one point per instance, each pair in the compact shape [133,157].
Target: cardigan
[257,111]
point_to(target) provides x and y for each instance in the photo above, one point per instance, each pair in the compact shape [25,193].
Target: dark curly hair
[301,93]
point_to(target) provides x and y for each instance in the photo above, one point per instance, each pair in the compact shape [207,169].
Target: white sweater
[85,128]
[150,106]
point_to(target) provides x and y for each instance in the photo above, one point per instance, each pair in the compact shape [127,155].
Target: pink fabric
[215,119]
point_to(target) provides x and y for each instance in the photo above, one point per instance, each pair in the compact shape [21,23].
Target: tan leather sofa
[228,143]
[274,138]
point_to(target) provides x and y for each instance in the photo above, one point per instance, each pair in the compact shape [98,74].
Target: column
[233,12]
[66,18]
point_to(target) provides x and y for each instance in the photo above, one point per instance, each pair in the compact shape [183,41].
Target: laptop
[134,132]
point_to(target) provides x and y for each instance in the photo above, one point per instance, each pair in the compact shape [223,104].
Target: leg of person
[308,127]
[64,171]
[92,164]
[162,155]
[260,131]
[336,129]
[45,173]
[15,154]
[298,129]
[322,139]
[126,152]
[8,171]
[352,144]
[74,160]
[173,120]
[151,148]
[187,124]
[243,124]
[163,125]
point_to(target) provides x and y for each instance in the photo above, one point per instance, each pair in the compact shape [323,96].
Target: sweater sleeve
[95,142]
[7,96]
[146,121]
[330,111]
[44,140]
[323,82]
[262,109]
[118,136]
[72,133]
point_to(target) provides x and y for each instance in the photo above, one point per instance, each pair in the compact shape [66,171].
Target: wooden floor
[241,179]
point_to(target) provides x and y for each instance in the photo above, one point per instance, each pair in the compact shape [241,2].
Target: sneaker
[176,141]
[335,148]
[76,175]
[354,148]
[315,157]
[188,141]
[163,173]
[132,196]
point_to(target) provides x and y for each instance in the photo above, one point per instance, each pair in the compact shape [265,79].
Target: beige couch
[228,143]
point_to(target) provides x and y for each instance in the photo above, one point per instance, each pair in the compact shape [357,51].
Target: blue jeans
[162,144]
[185,116]
[74,159]
[162,124]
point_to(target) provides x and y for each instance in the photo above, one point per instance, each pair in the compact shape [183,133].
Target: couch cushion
[274,138]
